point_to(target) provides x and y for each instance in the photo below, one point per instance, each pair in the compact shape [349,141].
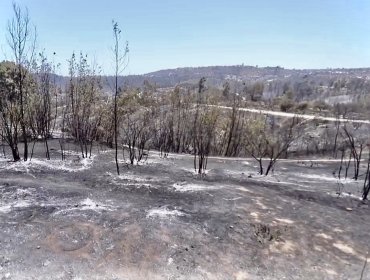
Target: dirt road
[292,115]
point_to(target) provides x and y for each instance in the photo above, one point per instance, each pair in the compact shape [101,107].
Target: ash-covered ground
[159,220]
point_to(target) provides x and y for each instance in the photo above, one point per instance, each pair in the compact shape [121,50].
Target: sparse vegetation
[182,119]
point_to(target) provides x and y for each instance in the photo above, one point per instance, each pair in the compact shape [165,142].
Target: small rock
[38,247]
[231,226]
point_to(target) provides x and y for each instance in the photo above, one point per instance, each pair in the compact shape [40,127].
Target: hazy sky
[173,33]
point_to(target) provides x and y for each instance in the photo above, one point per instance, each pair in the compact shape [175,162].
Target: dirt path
[292,115]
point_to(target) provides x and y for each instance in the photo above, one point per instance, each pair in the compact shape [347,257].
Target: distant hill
[307,84]
[172,77]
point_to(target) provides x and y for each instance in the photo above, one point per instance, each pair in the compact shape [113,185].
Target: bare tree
[204,136]
[84,103]
[267,139]
[366,187]
[120,62]
[21,39]
[205,119]
[40,104]
[9,107]
[135,137]
[201,88]
[356,146]
[172,131]
[136,120]
[234,127]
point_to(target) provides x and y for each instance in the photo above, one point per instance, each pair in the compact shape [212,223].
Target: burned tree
[355,146]
[120,63]
[366,186]
[84,110]
[9,107]
[135,136]
[205,119]
[206,124]
[135,122]
[233,131]
[267,140]
[40,104]
[171,128]
[21,40]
